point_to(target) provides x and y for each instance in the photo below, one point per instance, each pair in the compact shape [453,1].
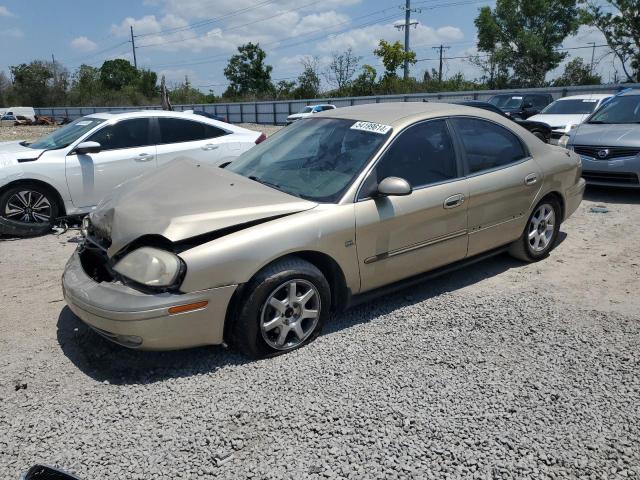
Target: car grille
[611,152]
[623,178]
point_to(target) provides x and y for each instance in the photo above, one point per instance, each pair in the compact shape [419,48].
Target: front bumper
[140,320]
[573,197]
[618,172]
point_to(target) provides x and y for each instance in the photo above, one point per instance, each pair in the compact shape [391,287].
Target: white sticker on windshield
[517,98]
[588,100]
[84,123]
[371,127]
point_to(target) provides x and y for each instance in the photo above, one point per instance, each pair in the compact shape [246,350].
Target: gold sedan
[327,212]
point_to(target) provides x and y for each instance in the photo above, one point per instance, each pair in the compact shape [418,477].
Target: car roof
[398,114]
[630,93]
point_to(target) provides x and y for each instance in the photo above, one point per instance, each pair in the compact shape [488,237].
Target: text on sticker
[371,127]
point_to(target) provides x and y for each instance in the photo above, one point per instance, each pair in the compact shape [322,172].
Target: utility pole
[593,54]
[53,66]
[406,26]
[133,45]
[442,48]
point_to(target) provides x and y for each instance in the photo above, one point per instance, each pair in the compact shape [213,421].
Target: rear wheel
[283,308]
[540,234]
[27,209]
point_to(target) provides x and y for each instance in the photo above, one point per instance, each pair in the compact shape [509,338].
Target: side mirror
[394,187]
[87,147]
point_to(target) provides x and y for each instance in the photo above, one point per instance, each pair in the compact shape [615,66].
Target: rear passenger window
[488,145]
[124,134]
[176,130]
[422,155]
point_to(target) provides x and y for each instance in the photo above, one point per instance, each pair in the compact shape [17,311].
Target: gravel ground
[500,370]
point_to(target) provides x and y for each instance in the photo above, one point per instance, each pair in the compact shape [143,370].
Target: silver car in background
[609,142]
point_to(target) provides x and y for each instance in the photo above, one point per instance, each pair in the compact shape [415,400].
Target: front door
[127,152]
[504,181]
[401,236]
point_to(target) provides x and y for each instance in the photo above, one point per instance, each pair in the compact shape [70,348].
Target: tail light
[261,138]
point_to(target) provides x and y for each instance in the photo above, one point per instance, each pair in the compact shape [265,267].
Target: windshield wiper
[264,182]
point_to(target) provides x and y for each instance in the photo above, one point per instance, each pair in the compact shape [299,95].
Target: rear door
[503,182]
[128,151]
[198,140]
[398,237]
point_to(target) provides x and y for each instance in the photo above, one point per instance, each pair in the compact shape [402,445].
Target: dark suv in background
[519,105]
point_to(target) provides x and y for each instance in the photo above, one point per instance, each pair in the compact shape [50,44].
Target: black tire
[37,224]
[246,333]
[525,248]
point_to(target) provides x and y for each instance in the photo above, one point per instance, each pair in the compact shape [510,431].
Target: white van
[13,112]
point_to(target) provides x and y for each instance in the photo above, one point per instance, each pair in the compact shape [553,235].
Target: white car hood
[560,120]
[299,115]
[10,152]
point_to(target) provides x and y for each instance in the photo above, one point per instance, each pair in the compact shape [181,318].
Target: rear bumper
[573,197]
[139,320]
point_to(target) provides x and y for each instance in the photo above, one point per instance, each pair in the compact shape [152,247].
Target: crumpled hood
[560,120]
[10,152]
[614,135]
[185,199]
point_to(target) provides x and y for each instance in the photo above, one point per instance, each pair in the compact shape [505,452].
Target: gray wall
[276,112]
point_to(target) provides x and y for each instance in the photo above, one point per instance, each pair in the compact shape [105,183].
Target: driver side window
[422,155]
[124,134]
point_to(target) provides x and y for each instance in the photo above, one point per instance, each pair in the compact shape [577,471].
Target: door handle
[531,179]
[454,201]
[209,146]
[143,157]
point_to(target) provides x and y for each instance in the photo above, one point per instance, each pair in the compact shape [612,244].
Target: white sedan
[70,170]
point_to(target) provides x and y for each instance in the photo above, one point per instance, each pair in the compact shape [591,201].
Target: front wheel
[540,234]
[283,308]
[28,209]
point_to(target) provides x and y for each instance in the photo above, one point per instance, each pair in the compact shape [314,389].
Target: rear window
[177,130]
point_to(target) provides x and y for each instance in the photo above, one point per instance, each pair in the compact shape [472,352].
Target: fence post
[255,111]
[377,99]
[274,113]
[215,109]
[226,111]
[241,116]
[351,101]
[289,108]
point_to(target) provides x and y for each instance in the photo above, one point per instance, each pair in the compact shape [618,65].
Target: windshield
[506,101]
[570,107]
[306,110]
[315,159]
[619,110]
[66,135]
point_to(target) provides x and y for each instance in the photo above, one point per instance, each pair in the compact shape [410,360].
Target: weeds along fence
[276,112]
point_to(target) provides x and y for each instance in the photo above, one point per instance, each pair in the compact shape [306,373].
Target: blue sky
[196,37]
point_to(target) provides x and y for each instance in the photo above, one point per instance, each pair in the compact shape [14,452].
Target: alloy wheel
[28,206]
[290,314]
[541,228]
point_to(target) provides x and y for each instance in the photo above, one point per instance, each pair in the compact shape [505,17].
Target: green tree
[619,22]
[148,83]
[31,83]
[86,87]
[523,37]
[118,73]
[284,89]
[247,72]
[5,85]
[393,57]
[365,83]
[577,73]
[308,81]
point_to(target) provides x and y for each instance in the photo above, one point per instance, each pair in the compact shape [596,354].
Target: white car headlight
[571,126]
[564,141]
[150,266]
